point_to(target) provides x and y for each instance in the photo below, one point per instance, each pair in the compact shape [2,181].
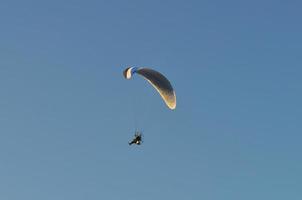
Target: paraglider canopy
[158,81]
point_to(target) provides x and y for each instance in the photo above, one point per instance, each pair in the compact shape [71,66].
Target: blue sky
[67,113]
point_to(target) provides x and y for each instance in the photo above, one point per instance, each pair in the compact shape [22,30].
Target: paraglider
[137,138]
[161,84]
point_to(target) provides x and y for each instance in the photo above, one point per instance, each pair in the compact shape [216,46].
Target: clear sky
[67,113]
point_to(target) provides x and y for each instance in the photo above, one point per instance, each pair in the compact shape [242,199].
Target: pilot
[137,139]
